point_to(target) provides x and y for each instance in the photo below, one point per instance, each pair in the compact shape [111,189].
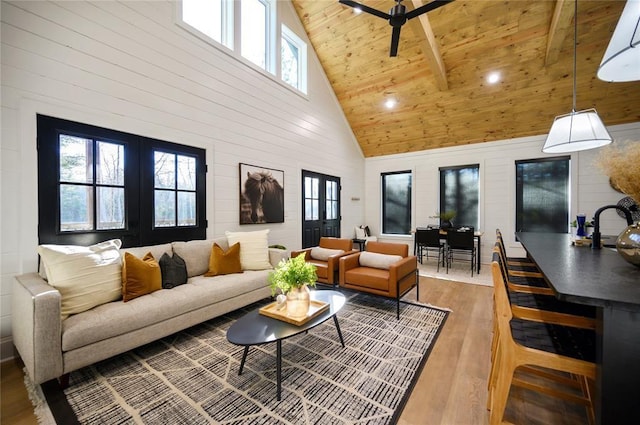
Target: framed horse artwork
[261,195]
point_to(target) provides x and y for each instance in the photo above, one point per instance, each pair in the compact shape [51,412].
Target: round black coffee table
[255,329]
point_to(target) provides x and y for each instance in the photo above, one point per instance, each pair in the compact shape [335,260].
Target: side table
[360,243]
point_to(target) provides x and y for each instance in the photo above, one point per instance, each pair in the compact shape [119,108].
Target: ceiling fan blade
[395,40]
[426,8]
[364,8]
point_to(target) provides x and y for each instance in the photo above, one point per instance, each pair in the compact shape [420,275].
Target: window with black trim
[96,184]
[542,195]
[396,203]
[460,192]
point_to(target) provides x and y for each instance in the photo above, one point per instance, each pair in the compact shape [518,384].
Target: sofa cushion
[378,261]
[254,248]
[174,270]
[224,262]
[156,250]
[195,254]
[119,318]
[323,254]
[140,276]
[85,276]
[368,277]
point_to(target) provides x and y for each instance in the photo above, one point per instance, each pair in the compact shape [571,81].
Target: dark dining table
[443,233]
[601,278]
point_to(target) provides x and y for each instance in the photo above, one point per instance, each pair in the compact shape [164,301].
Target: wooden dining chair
[547,308]
[535,347]
[544,309]
[519,281]
[514,261]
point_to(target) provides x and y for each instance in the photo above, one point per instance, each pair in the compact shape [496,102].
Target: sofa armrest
[333,260]
[276,255]
[348,262]
[37,327]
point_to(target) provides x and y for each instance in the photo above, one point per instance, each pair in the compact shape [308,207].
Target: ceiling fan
[397,16]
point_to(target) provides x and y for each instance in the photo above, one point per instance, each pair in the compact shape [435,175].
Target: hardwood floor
[451,390]
[16,407]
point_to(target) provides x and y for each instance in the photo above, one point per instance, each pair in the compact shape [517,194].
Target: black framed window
[460,192]
[396,203]
[96,184]
[542,195]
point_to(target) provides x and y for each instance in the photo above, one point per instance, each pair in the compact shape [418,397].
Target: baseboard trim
[7,351]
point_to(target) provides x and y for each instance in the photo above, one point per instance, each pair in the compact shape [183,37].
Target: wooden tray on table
[315,309]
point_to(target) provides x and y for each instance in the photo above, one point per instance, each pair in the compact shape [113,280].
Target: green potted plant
[292,278]
[445,218]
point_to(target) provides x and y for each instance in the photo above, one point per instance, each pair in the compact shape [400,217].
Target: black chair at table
[460,244]
[428,239]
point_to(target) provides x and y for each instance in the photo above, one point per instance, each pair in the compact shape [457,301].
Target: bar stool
[535,347]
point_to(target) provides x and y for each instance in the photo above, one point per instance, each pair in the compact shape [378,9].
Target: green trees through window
[95,184]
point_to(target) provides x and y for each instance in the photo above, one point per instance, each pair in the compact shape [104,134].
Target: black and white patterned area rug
[192,377]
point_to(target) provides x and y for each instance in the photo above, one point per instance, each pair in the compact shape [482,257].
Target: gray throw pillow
[174,271]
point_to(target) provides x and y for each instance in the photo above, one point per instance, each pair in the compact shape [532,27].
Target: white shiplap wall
[589,187]
[128,65]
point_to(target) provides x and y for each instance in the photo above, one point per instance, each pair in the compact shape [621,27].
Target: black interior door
[320,207]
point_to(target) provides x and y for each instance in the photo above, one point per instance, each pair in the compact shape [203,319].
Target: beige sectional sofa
[52,347]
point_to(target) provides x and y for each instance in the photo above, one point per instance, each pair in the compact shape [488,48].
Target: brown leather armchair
[390,275]
[326,262]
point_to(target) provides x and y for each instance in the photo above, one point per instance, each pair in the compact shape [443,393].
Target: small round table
[255,329]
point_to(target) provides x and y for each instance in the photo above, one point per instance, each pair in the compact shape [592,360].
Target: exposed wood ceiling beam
[559,29]
[422,28]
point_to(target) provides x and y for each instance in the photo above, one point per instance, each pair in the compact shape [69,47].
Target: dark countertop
[598,277]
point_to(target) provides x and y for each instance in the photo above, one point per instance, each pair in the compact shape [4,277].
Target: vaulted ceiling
[439,78]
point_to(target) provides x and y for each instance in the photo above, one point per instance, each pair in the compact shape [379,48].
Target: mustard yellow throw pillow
[140,277]
[224,262]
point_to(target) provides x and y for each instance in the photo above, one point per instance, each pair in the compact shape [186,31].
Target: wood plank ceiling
[439,76]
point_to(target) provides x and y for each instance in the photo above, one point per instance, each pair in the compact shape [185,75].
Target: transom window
[293,60]
[255,28]
[249,31]
[213,18]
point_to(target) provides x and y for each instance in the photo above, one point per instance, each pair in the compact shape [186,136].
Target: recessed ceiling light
[390,103]
[357,10]
[493,77]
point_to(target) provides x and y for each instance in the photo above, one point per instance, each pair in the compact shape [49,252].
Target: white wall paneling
[128,66]
[589,187]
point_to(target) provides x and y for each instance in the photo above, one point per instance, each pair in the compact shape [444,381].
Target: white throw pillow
[254,249]
[323,254]
[378,261]
[86,276]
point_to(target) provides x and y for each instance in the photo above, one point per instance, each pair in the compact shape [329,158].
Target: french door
[320,207]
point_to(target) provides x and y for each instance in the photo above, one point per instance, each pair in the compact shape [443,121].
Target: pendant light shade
[621,61]
[576,131]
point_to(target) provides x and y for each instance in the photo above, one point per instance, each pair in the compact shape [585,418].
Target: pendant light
[621,61]
[576,131]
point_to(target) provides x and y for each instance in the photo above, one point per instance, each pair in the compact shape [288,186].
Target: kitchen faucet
[595,236]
